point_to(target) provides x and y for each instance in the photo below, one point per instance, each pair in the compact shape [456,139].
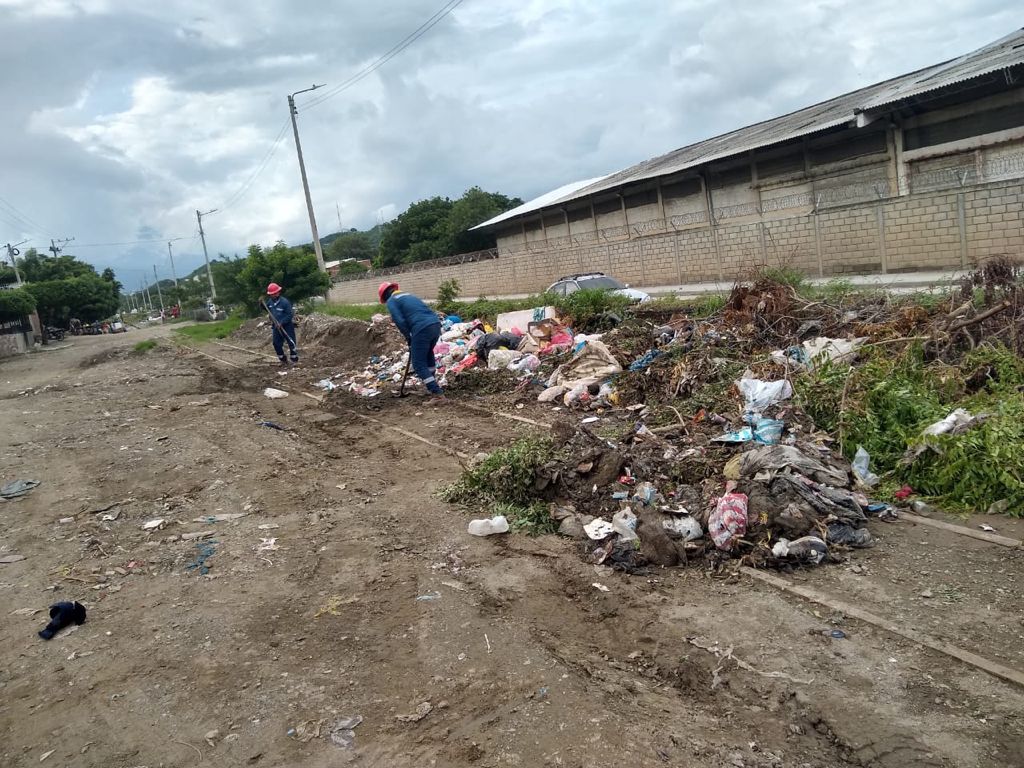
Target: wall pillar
[880,217]
[961,221]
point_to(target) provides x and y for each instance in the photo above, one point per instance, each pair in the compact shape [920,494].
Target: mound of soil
[340,341]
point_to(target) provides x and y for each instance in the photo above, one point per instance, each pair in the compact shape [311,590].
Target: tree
[108,275]
[36,268]
[294,269]
[88,298]
[475,207]
[439,227]
[350,245]
[420,233]
[351,268]
[7,276]
[225,277]
[16,304]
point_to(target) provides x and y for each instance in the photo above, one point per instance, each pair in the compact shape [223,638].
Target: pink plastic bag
[729,520]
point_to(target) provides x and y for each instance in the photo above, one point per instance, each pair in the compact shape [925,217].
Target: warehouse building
[921,172]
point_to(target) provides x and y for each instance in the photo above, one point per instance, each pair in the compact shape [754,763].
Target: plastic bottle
[496,524]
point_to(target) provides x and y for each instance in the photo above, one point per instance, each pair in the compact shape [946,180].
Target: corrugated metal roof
[543,201]
[1003,53]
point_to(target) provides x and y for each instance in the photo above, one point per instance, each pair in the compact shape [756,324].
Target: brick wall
[913,232]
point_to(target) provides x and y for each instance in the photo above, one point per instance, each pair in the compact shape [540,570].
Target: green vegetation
[504,484]
[891,398]
[210,331]
[16,304]
[447,292]
[63,287]
[295,269]
[438,226]
[144,346]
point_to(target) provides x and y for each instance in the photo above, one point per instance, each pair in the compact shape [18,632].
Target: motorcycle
[54,333]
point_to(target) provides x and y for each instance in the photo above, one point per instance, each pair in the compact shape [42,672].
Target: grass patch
[210,331]
[503,484]
[144,346]
[890,399]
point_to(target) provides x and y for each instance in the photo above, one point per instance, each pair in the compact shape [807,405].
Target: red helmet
[383,289]
[273,289]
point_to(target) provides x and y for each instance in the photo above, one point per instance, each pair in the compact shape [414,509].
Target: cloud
[122,118]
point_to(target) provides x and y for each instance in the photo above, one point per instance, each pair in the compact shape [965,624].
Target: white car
[596,281]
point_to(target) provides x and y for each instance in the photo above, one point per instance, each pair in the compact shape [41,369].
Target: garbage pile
[525,344]
[773,504]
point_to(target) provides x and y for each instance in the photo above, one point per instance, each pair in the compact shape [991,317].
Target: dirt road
[346,589]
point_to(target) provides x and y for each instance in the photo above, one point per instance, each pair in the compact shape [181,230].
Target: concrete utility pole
[158,291]
[305,182]
[12,254]
[174,275]
[56,249]
[202,236]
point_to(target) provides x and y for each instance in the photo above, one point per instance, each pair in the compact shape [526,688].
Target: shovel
[401,390]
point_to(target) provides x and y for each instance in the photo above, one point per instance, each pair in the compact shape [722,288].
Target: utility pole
[158,291]
[202,236]
[174,275]
[338,209]
[305,182]
[12,254]
[56,249]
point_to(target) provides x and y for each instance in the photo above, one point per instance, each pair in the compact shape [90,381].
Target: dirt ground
[348,589]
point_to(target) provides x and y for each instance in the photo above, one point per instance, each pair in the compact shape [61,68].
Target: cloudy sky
[121,117]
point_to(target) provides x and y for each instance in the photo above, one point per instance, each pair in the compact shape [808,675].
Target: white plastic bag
[861,468]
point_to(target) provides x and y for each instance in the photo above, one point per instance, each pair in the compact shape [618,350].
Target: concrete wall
[866,211]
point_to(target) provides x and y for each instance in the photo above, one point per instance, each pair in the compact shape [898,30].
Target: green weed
[505,476]
[533,519]
[144,346]
[209,331]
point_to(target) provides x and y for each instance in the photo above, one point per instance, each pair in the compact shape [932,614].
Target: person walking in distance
[283,321]
[421,328]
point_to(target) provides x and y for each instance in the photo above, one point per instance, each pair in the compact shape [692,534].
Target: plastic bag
[762,394]
[686,528]
[860,468]
[729,520]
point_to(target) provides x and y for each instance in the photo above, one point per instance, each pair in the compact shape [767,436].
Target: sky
[121,117]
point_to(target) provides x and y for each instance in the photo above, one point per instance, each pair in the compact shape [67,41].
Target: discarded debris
[497,524]
[274,394]
[8,559]
[17,488]
[342,733]
[63,615]
[154,525]
[422,710]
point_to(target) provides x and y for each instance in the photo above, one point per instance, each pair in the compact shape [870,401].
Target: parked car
[596,280]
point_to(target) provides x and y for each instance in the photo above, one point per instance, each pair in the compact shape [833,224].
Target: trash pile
[723,438]
[503,347]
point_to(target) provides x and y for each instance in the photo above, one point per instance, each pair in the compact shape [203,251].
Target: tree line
[428,229]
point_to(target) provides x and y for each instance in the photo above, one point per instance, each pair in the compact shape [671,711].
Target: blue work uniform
[422,328]
[282,311]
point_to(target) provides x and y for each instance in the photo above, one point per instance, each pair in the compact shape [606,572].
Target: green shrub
[584,307]
[144,346]
[16,304]
[506,476]
[447,292]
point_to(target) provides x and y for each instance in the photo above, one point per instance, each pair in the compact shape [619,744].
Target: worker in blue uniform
[283,313]
[420,326]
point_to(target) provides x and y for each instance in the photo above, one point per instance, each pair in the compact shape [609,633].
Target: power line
[34,226]
[134,242]
[240,192]
[369,69]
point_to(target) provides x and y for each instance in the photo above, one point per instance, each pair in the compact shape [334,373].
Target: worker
[421,328]
[284,323]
